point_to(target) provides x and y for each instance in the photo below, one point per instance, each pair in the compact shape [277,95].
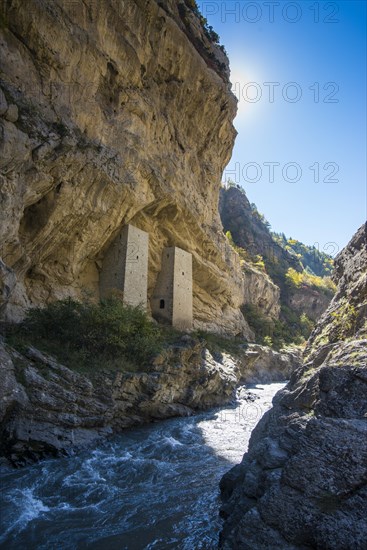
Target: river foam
[154,487]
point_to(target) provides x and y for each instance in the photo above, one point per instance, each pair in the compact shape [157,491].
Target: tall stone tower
[172,299]
[125,267]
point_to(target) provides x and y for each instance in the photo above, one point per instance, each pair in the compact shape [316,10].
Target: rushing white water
[154,487]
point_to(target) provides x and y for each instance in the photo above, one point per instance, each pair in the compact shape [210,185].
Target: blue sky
[312,55]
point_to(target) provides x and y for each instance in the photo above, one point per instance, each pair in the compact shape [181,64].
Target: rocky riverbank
[303,482]
[48,409]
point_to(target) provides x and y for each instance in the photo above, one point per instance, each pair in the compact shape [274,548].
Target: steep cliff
[303,482]
[308,300]
[111,113]
[261,291]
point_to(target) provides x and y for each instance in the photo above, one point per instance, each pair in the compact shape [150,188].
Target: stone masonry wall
[125,266]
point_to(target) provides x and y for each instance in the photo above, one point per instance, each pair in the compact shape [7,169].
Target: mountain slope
[302,297]
[311,258]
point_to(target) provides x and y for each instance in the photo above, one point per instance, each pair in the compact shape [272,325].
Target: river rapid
[153,487]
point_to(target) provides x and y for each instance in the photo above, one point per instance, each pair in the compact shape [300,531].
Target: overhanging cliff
[112,113]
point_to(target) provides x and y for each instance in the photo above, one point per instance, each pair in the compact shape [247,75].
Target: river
[152,487]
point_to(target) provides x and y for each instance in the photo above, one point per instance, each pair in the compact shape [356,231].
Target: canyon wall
[111,113]
[303,482]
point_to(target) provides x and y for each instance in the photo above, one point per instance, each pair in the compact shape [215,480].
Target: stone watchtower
[125,267]
[172,299]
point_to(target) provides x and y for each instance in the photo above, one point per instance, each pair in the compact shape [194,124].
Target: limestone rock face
[112,113]
[303,482]
[310,301]
[261,291]
[261,364]
[12,394]
[48,409]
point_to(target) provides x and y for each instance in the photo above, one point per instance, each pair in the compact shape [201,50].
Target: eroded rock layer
[303,483]
[112,113]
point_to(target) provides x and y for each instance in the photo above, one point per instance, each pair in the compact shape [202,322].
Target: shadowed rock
[303,482]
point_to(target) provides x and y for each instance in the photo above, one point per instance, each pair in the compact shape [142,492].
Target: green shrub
[268,341]
[192,5]
[310,257]
[291,328]
[307,325]
[88,334]
[262,325]
[257,260]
